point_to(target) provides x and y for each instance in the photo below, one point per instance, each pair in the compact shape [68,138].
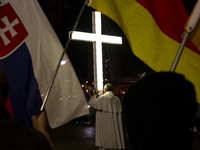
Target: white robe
[109,129]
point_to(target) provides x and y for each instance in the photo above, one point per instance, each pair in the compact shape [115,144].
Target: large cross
[97,38]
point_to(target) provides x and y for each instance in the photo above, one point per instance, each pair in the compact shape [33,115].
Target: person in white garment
[109,129]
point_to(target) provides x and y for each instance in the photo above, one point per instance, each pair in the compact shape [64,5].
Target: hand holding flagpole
[194,17]
[190,25]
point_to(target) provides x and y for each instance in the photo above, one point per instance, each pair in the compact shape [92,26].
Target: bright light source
[91,37]
[63,62]
[98,39]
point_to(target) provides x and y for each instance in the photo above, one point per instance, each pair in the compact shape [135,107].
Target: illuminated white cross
[9,27]
[97,38]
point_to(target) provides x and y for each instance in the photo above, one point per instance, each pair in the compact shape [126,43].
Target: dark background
[122,64]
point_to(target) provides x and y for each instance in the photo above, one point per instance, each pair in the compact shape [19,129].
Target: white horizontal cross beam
[91,37]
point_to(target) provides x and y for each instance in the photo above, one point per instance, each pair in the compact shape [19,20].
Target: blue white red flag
[29,54]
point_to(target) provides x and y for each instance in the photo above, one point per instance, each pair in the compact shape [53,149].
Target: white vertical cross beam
[97,38]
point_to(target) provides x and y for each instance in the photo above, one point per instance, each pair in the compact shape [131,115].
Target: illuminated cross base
[97,38]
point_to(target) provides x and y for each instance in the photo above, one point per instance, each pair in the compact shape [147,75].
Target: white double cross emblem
[9,27]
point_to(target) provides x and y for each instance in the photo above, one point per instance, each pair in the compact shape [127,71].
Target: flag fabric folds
[154,30]
[30,52]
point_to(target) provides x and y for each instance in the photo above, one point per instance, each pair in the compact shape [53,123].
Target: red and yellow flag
[154,30]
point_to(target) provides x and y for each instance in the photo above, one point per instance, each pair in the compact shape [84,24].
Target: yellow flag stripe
[147,41]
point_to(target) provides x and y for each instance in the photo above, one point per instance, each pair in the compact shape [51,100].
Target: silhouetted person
[16,136]
[158,112]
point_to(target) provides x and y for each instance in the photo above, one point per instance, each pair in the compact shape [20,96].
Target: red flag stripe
[9,108]
[163,19]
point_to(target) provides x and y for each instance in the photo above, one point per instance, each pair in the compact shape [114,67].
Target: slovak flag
[29,54]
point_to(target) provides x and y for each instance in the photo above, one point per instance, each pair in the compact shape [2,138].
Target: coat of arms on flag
[12,31]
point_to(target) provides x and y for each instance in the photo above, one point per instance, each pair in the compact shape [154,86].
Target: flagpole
[190,25]
[180,50]
[58,66]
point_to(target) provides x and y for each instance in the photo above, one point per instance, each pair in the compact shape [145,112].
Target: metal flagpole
[58,66]
[180,50]
[194,17]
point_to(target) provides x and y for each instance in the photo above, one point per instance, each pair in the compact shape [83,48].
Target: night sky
[62,15]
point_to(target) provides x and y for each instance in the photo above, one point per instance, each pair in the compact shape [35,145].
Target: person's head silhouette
[158,110]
